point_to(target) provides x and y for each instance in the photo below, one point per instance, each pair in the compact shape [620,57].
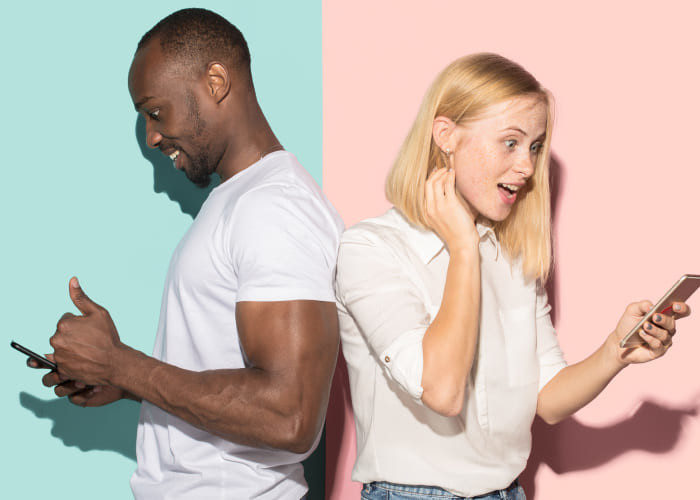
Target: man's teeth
[174,155]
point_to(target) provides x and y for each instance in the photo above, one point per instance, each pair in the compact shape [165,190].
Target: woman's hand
[657,333]
[449,343]
[446,213]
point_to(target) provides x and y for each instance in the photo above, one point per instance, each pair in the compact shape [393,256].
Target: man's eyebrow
[139,105]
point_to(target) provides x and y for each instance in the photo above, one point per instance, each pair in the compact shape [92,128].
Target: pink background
[626,149]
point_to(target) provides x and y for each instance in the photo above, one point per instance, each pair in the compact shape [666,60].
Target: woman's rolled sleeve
[387,308]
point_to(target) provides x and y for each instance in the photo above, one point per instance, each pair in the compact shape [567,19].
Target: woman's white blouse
[391,276]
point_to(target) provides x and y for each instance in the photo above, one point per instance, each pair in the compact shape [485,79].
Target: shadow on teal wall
[169,180]
[113,427]
[108,428]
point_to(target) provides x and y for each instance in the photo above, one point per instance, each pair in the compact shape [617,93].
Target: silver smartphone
[679,292]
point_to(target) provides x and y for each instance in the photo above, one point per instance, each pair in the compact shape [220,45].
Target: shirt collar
[427,244]
[485,230]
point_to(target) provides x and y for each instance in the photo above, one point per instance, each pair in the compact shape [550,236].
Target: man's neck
[248,143]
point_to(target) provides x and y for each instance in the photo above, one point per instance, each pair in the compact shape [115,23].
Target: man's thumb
[81,301]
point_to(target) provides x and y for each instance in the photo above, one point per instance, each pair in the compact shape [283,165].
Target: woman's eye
[511,143]
[536,147]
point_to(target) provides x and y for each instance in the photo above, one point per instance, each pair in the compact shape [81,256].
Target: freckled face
[495,155]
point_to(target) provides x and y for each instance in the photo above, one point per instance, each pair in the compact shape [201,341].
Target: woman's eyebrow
[517,129]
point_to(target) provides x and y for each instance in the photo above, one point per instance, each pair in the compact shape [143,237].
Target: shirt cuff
[403,359]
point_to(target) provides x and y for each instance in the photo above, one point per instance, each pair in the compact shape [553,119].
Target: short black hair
[196,37]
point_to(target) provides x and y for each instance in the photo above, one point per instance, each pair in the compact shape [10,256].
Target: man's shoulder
[284,187]
[276,172]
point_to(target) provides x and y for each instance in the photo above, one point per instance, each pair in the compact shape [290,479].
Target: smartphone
[37,357]
[679,292]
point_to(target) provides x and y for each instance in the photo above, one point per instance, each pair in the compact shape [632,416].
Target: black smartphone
[37,357]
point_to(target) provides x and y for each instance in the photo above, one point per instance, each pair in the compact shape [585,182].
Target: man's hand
[84,346]
[77,392]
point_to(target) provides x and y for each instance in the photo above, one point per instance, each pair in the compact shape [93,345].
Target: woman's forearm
[577,385]
[449,343]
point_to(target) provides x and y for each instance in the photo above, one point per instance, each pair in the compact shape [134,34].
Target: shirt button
[387,359]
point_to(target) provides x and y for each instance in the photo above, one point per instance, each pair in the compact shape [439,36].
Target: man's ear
[218,81]
[442,133]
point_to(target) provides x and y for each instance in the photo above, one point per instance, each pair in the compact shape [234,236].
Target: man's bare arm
[279,401]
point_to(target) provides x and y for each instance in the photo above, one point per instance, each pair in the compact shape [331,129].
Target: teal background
[80,197]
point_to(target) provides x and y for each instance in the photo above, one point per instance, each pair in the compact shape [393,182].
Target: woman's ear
[443,128]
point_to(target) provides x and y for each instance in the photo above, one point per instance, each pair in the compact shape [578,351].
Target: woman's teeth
[510,187]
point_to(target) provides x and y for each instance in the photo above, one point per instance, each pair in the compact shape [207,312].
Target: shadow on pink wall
[566,447]
[572,446]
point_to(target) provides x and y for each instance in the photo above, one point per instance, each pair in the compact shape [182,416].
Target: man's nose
[153,137]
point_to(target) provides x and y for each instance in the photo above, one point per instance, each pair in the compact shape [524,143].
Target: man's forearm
[247,406]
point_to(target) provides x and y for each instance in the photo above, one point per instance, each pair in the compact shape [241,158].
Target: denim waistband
[434,491]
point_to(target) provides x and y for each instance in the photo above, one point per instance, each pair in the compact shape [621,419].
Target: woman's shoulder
[379,229]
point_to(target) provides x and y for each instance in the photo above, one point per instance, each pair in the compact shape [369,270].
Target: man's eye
[536,147]
[154,114]
[511,143]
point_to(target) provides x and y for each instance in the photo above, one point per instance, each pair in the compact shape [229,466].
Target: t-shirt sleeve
[386,306]
[283,245]
[551,358]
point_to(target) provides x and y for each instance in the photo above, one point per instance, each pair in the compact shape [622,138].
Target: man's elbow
[300,434]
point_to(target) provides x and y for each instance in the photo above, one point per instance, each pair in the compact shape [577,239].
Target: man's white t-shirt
[266,234]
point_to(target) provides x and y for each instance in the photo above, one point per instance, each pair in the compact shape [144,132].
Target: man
[235,394]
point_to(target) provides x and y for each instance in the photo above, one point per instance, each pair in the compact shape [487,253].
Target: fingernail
[657,317]
[75,283]
[647,326]
[676,307]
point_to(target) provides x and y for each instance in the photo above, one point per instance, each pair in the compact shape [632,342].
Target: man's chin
[200,181]
[199,177]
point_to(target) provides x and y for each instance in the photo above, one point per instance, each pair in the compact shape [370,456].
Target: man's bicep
[297,337]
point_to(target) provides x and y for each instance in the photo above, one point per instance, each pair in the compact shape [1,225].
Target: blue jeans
[389,491]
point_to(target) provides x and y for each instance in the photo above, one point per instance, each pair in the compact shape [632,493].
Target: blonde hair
[462,92]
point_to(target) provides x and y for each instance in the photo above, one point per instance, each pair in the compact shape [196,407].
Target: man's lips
[171,153]
[174,154]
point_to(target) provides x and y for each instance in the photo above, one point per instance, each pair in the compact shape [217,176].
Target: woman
[444,319]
